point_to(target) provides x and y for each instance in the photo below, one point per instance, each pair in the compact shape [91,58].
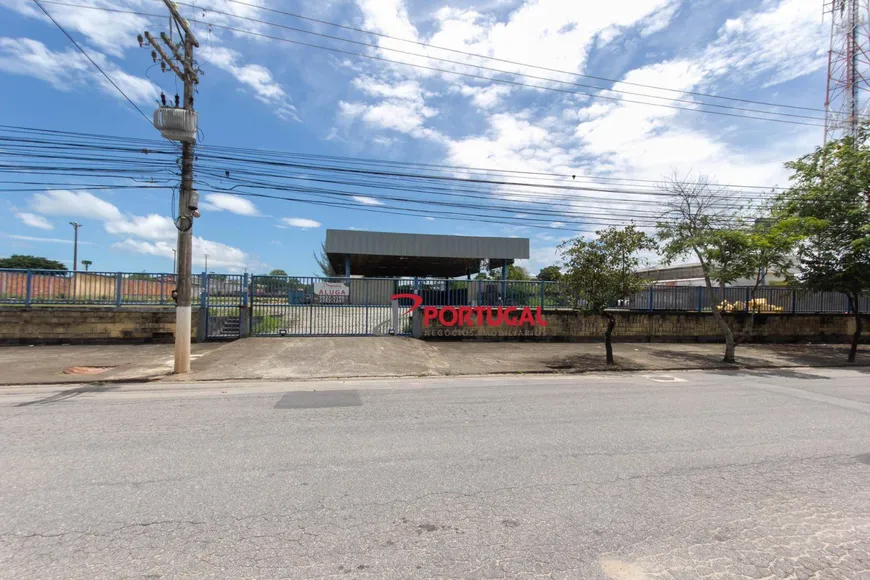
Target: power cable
[469,75]
[507,61]
[76,44]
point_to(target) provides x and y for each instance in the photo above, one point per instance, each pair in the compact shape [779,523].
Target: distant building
[693,275]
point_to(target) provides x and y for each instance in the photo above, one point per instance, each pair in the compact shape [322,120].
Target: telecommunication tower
[848,67]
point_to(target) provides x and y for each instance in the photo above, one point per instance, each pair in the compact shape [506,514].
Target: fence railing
[36,287]
[53,287]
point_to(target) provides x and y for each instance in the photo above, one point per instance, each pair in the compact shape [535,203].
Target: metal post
[245,290]
[203,290]
[793,301]
[650,305]
[700,298]
[119,281]
[747,299]
[27,289]
[504,273]
[347,268]
[366,282]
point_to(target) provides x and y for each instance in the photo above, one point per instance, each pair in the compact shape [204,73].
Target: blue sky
[269,94]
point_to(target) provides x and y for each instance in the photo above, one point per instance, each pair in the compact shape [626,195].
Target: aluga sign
[475,315]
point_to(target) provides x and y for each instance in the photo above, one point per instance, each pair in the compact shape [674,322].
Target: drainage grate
[319,400]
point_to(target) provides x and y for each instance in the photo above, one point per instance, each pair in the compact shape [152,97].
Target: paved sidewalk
[33,365]
[373,357]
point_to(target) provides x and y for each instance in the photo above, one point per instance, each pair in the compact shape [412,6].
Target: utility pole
[180,125]
[76,226]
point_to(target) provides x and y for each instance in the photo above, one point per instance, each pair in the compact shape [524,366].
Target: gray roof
[384,253]
[424,245]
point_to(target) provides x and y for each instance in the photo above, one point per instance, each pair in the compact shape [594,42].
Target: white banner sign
[331,292]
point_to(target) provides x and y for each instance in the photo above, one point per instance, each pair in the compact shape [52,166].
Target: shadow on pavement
[69,394]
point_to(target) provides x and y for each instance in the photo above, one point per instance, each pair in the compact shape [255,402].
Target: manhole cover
[319,399]
[86,370]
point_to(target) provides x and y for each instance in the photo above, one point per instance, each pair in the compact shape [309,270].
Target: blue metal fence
[224,294]
[36,287]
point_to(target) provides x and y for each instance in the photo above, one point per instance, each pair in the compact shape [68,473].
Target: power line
[76,44]
[152,146]
[507,61]
[501,71]
[464,74]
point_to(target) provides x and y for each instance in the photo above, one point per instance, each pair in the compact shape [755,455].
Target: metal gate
[308,306]
[222,297]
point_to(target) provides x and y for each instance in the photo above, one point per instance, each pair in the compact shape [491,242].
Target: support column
[347,268]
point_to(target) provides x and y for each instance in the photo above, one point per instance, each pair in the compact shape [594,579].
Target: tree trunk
[859,326]
[750,323]
[720,320]
[608,347]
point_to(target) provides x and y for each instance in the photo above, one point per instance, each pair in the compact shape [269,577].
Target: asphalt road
[754,474]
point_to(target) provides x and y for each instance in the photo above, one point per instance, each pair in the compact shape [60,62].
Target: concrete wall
[88,324]
[570,325]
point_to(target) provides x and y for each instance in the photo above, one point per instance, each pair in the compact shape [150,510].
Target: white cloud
[367,200]
[69,69]
[257,78]
[231,203]
[785,42]
[74,204]
[112,32]
[34,221]
[150,227]
[486,97]
[303,223]
[219,255]
[431,219]
[401,107]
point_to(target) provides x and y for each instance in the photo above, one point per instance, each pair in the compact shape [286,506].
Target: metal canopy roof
[391,254]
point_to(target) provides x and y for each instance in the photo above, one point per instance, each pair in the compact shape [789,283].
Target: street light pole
[76,226]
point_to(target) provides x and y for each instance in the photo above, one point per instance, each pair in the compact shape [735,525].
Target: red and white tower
[848,67]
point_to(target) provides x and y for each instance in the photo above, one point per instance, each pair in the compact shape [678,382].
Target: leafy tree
[22,262]
[86,264]
[277,272]
[513,273]
[699,220]
[550,274]
[323,262]
[141,276]
[602,271]
[828,206]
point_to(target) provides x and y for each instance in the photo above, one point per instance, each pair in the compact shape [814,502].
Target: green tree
[277,272]
[699,220]
[513,273]
[86,264]
[550,274]
[22,262]
[602,271]
[828,207]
